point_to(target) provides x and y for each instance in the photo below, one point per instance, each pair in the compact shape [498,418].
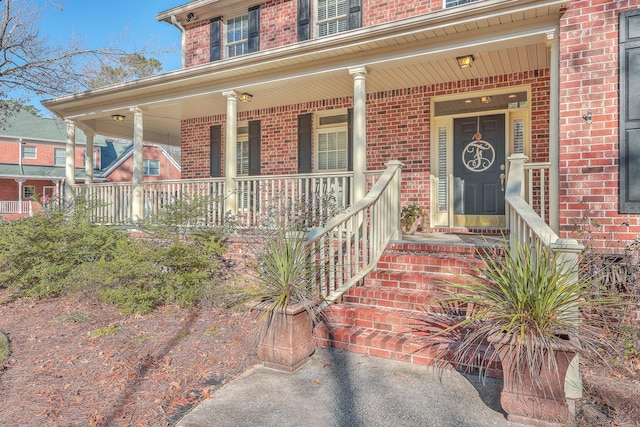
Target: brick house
[450,88]
[33,155]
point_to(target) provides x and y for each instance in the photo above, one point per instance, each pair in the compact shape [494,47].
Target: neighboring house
[33,160]
[452,89]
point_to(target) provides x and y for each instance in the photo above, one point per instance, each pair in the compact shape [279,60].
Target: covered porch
[402,86]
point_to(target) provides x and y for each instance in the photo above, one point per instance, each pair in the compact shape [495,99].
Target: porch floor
[445,238]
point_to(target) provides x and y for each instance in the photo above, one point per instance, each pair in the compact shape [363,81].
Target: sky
[98,24]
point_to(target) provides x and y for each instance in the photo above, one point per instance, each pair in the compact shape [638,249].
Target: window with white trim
[332,17]
[28,191]
[96,166]
[59,156]
[28,152]
[237,36]
[332,142]
[151,167]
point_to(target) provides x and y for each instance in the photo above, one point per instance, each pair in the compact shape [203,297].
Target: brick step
[425,281]
[412,348]
[394,297]
[368,316]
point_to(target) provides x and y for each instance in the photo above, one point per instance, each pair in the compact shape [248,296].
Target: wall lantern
[587,117]
[465,61]
[191,17]
[246,97]
[117,117]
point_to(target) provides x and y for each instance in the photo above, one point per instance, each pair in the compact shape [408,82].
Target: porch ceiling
[503,36]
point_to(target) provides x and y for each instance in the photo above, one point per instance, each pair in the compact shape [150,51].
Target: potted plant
[411,218]
[284,298]
[537,315]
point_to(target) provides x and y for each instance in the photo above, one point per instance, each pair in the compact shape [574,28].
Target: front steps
[391,314]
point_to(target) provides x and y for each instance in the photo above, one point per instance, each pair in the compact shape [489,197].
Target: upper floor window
[28,152]
[60,157]
[451,3]
[95,159]
[237,39]
[332,17]
[151,168]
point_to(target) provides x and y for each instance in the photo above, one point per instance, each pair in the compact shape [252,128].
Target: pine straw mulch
[76,363]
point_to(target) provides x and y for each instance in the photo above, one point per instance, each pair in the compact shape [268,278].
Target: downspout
[183,41]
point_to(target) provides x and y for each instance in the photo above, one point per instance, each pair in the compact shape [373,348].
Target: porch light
[117,117]
[485,99]
[246,97]
[191,17]
[465,61]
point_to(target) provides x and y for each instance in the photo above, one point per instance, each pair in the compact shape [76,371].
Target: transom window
[60,157]
[332,17]
[28,152]
[151,167]
[237,36]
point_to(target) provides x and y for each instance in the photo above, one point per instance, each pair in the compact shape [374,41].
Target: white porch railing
[15,207]
[110,203]
[526,226]
[537,185]
[315,194]
[350,244]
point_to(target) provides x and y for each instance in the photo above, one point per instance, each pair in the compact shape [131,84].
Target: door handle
[502,177]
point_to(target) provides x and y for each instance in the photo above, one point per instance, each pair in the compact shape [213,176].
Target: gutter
[183,41]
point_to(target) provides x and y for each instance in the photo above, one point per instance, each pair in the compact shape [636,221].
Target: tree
[128,67]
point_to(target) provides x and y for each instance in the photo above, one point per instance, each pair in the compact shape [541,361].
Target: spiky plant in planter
[284,296]
[538,315]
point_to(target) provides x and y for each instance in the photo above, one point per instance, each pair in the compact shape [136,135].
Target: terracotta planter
[542,404]
[286,342]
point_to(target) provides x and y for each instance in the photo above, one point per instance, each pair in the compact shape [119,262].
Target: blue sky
[98,24]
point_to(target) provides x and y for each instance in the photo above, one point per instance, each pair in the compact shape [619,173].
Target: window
[28,191]
[151,167]
[60,157]
[237,36]
[28,152]
[332,147]
[452,3]
[96,166]
[243,158]
[332,17]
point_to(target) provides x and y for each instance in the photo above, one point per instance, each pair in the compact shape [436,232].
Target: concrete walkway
[345,389]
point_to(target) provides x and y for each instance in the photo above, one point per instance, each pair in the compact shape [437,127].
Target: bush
[59,252]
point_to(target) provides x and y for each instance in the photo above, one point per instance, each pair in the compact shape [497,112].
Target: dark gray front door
[479,171]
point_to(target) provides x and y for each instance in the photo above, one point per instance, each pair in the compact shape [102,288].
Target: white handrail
[349,246]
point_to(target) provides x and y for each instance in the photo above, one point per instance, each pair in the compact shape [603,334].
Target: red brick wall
[278,23]
[380,11]
[197,43]
[398,128]
[589,155]
[45,154]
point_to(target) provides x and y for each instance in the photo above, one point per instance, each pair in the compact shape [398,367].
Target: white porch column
[70,164]
[88,161]
[136,192]
[359,132]
[20,181]
[554,132]
[230,152]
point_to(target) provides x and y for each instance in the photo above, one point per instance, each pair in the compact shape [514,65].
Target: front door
[479,171]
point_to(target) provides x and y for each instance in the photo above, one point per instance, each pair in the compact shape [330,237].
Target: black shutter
[254,147]
[355,14]
[214,37]
[350,139]
[254,28]
[304,143]
[304,20]
[215,142]
[630,112]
